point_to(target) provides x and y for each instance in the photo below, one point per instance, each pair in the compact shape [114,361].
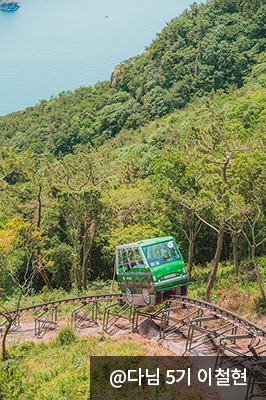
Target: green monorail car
[150,271]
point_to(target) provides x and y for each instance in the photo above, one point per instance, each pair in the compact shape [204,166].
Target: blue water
[50,46]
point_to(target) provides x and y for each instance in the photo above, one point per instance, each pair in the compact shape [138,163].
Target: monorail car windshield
[149,271]
[161,253]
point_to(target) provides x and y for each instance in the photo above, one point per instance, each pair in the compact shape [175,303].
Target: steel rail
[55,303]
[213,309]
[243,323]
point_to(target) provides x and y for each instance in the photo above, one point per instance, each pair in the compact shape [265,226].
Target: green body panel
[136,281]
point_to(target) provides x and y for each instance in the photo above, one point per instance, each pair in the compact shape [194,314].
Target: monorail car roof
[147,242]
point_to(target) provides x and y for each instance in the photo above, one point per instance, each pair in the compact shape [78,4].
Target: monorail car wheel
[146,296]
[128,295]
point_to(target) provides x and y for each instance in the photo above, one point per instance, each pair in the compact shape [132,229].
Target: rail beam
[88,308]
[49,321]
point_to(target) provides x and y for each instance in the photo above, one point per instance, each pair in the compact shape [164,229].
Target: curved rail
[245,324]
[213,309]
[55,303]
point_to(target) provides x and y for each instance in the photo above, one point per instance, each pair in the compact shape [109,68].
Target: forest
[173,144]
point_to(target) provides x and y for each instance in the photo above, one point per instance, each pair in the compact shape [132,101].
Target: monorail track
[73,300]
[251,328]
[175,318]
[248,326]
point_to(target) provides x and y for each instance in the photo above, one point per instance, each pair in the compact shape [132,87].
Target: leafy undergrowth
[58,369]
[239,294]
[46,296]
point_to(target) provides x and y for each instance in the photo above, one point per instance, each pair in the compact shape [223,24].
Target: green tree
[213,175]
[177,189]
[253,186]
[30,193]
[20,243]
[80,215]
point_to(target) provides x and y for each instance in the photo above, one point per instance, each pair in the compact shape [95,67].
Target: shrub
[260,305]
[66,336]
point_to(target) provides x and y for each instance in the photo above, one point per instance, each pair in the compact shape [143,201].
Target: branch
[180,227]
[262,241]
[258,206]
[95,184]
[199,217]
[199,184]
[228,158]
[247,239]
[1,305]
[81,186]
[3,177]
[228,218]
[205,222]
[259,233]
[198,227]
[226,143]
[221,163]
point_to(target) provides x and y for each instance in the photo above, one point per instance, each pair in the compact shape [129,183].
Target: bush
[66,336]
[260,305]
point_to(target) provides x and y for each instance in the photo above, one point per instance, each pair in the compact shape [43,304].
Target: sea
[51,46]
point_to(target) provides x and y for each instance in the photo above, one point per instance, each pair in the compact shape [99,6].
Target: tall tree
[19,244]
[253,187]
[214,176]
[174,185]
[80,215]
[30,194]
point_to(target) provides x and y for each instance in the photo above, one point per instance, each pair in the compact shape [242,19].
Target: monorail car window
[129,258]
[126,259]
[161,253]
[121,265]
[138,257]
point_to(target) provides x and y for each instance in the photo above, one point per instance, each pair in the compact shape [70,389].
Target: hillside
[173,144]
[211,47]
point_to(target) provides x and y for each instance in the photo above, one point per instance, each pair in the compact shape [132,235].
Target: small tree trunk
[75,273]
[85,273]
[257,271]
[192,241]
[75,266]
[86,249]
[112,287]
[10,320]
[234,237]
[43,273]
[216,263]
[46,280]
[4,357]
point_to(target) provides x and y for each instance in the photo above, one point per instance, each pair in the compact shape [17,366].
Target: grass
[58,370]
[46,296]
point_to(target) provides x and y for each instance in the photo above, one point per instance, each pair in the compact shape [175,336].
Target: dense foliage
[212,46]
[145,155]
